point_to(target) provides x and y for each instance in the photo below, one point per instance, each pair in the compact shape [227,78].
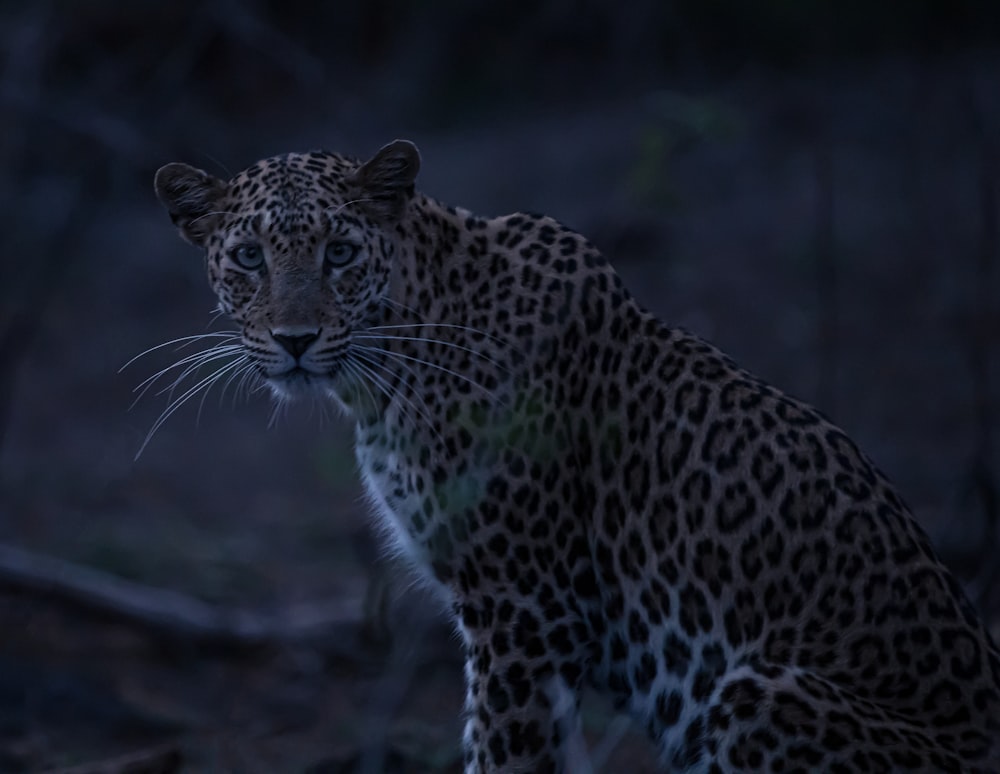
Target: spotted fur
[601,499]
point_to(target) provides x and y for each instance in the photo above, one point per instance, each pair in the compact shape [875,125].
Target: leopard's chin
[297,383]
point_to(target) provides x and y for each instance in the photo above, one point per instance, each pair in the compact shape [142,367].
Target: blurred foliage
[334,463]
[793,32]
[130,83]
[677,124]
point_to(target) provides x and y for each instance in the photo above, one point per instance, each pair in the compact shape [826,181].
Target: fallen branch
[335,627]
[159,760]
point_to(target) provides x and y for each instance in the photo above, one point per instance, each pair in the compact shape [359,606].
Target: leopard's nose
[295,344]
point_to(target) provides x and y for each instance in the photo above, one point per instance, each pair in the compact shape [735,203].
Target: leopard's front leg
[521,701]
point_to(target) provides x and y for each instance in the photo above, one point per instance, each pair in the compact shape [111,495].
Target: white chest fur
[387,484]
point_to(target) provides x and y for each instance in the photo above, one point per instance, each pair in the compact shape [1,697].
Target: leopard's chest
[397,490]
[423,504]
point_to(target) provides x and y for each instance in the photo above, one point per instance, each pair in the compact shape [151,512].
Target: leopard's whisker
[468,329]
[368,363]
[259,386]
[194,356]
[250,383]
[336,210]
[176,403]
[242,377]
[401,382]
[401,309]
[462,377]
[183,341]
[212,353]
[209,214]
[194,361]
[245,363]
[372,356]
[408,410]
[428,340]
[208,356]
[365,378]
[352,368]
[278,409]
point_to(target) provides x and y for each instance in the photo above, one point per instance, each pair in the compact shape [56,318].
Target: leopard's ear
[386,179]
[192,197]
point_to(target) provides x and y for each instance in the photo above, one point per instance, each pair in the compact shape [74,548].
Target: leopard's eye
[339,254]
[248,256]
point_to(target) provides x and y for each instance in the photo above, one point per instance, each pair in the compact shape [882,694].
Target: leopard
[600,500]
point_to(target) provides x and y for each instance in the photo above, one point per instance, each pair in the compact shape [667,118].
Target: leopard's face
[299,251]
[300,281]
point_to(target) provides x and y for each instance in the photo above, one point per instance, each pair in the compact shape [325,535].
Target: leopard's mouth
[299,382]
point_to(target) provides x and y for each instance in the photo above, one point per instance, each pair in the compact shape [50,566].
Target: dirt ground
[824,231]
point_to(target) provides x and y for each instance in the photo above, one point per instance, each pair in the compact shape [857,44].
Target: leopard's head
[300,251]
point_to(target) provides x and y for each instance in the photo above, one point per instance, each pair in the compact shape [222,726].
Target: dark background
[811,185]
